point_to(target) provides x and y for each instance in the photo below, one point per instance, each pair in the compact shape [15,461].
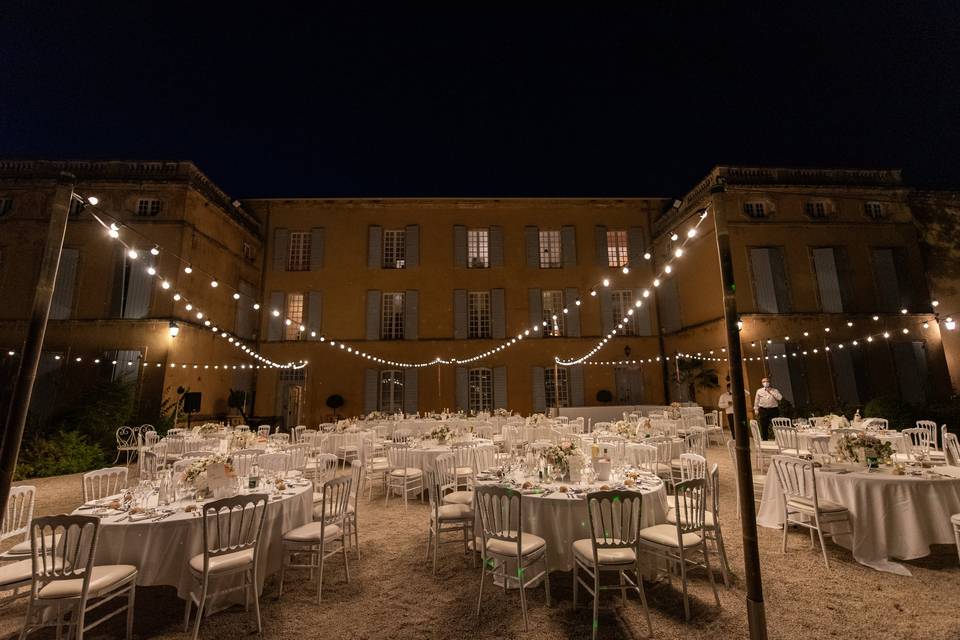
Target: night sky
[279,102]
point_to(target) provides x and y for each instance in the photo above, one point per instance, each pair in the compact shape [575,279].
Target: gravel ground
[392,593]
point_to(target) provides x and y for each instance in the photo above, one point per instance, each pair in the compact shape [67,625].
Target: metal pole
[32,348]
[756,616]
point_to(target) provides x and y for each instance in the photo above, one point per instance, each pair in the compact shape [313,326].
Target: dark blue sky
[280,101]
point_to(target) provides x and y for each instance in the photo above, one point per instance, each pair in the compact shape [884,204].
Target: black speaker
[191,402]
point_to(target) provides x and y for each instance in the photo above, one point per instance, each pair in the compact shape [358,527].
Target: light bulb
[935,303]
[288,322]
[646,255]
[176,297]
[151,271]
[188,269]
[903,311]
[94,200]
[236,296]
[875,318]
[188,307]
[905,331]
[674,237]
[678,252]
[155,251]
[199,315]
[626,270]
[132,254]
[950,324]
[256,306]
[593,294]
[577,302]
[165,285]
[606,282]
[692,232]
[276,313]
[113,233]
[638,303]
[214,284]
[656,282]
[668,269]
[850,324]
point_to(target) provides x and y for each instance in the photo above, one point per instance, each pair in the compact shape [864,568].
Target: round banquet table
[425,457]
[892,516]
[561,520]
[161,550]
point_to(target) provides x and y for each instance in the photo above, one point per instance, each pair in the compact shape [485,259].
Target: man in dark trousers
[766,406]
[725,402]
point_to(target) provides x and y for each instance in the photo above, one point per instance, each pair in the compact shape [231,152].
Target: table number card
[217,479]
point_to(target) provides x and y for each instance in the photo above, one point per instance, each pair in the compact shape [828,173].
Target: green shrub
[898,413]
[104,407]
[58,454]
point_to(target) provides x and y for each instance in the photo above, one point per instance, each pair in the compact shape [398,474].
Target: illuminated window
[478,248]
[550,257]
[618,254]
[391,391]
[149,207]
[394,248]
[294,315]
[756,210]
[480,390]
[298,258]
[555,387]
[391,318]
[622,303]
[478,314]
[553,313]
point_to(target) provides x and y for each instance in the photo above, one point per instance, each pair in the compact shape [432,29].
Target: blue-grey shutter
[371,388]
[844,376]
[885,278]
[539,392]
[462,392]
[410,391]
[61,308]
[499,387]
[910,375]
[275,323]
[606,311]
[532,237]
[412,249]
[572,321]
[281,248]
[375,247]
[535,307]
[781,285]
[828,282]
[498,322]
[411,314]
[669,300]
[495,240]
[459,314]
[763,288]
[641,314]
[373,314]
[314,314]
[139,289]
[635,246]
[575,378]
[459,245]
[317,239]
[780,377]
[568,246]
[600,246]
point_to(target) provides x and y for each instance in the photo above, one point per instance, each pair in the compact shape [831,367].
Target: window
[391,316]
[829,286]
[6,205]
[555,387]
[553,313]
[298,258]
[478,248]
[550,249]
[76,207]
[391,391]
[770,283]
[149,207]
[817,210]
[622,305]
[756,210]
[394,248]
[873,210]
[480,390]
[294,316]
[478,314]
[618,254]
[249,253]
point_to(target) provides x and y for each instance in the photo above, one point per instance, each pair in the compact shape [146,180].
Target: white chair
[613,545]
[104,482]
[955,521]
[445,475]
[297,433]
[503,543]
[263,431]
[275,463]
[711,519]
[759,480]
[463,452]
[232,530]
[951,449]
[322,468]
[819,445]
[16,521]
[357,481]
[788,440]
[375,469]
[320,539]
[676,542]
[298,456]
[802,505]
[127,444]
[484,458]
[931,427]
[64,575]
[243,463]
[764,448]
[643,456]
[446,518]
[402,474]
[150,464]
[780,422]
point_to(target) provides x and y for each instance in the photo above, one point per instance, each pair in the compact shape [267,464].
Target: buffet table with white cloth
[893,516]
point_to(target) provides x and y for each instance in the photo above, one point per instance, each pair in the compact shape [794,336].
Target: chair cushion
[794,452]
[583,549]
[23,548]
[312,532]
[102,580]
[464,471]
[666,535]
[455,512]
[458,497]
[531,544]
[318,511]
[16,572]
[768,445]
[807,504]
[672,517]
[226,562]
[408,472]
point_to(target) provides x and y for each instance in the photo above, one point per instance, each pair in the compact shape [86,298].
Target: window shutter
[910,375]
[606,311]
[575,378]
[139,289]
[411,312]
[885,279]
[763,287]
[532,237]
[539,392]
[275,323]
[780,282]
[459,246]
[463,403]
[499,387]
[314,314]
[371,388]
[641,315]
[498,324]
[496,246]
[635,246]
[844,377]
[281,248]
[669,300]
[535,306]
[373,314]
[460,314]
[412,250]
[568,244]
[828,282]
[317,237]
[600,246]
[375,247]
[572,321]
[780,370]
[119,267]
[62,306]
[410,391]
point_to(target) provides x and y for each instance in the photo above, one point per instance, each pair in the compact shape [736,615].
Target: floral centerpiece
[441,434]
[243,439]
[196,473]
[624,428]
[376,415]
[537,419]
[502,413]
[860,448]
[559,455]
[207,429]
[837,422]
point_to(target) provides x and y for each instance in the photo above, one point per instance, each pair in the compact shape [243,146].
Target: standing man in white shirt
[766,406]
[725,402]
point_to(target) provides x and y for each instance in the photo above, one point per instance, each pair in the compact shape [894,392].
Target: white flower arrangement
[441,434]
[196,473]
[207,429]
[837,422]
[537,419]
[243,439]
[375,415]
[502,413]
[559,455]
[624,428]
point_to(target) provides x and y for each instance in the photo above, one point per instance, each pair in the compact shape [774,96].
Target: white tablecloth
[424,458]
[892,516]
